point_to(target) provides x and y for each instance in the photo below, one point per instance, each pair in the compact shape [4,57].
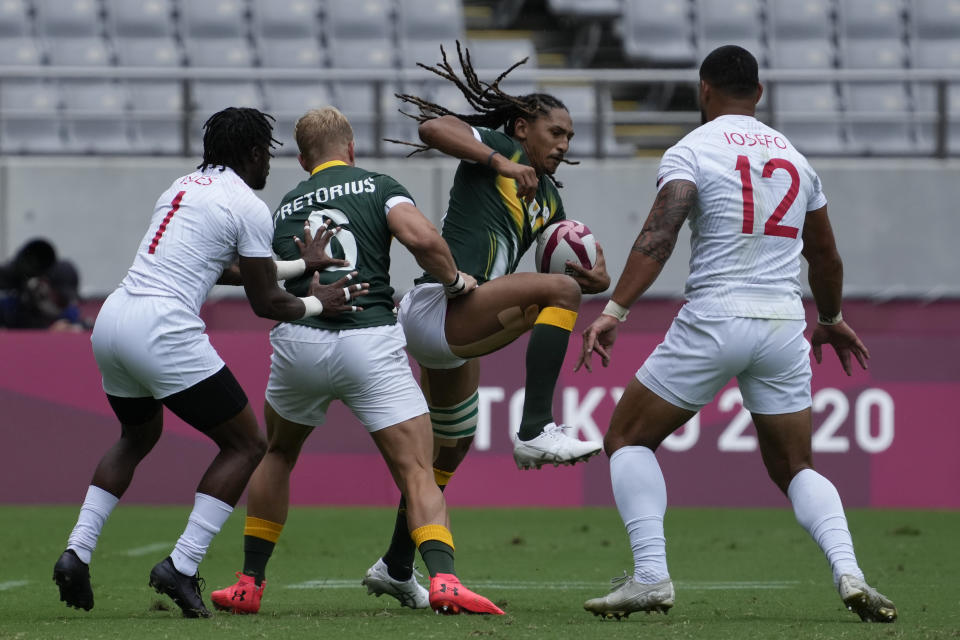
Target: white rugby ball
[565,240]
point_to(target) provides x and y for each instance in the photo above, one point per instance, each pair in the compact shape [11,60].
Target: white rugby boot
[628,596]
[552,446]
[865,601]
[410,593]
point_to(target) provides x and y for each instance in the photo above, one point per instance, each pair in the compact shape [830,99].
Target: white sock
[205,521]
[641,496]
[97,506]
[817,506]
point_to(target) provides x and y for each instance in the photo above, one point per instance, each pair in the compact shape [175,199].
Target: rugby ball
[565,240]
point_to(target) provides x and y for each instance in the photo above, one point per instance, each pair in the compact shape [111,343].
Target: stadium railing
[602,80]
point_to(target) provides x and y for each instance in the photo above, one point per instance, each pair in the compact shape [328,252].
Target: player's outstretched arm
[268,300]
[454,137]
[412,229]
[647,257]
[826,283]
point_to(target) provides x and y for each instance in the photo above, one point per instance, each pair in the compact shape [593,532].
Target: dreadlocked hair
[494,108]
[229,135]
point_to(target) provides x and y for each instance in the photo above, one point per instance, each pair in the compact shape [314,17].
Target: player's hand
[595,280]
[525,176]
[336,297]
[598,337]
[843,340]
[469,284]
[314,250]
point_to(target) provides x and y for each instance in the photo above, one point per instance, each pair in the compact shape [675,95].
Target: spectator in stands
[38,291]
[755,206]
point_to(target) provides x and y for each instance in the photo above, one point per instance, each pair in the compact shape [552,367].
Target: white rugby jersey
[199,227]
[754,190]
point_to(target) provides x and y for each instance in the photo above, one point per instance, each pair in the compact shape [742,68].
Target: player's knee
[563,291]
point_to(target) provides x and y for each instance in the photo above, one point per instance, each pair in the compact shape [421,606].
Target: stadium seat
[147,51]
[800,19]
[67,18]
[576,9]
[878,113]
[349,19]
[357,99]
[299,52]
[19,51]
[581,103]
[29,118]
[14,21]
[95,120]
[287,101]
[721,22]
[144,19]
[936,54]
[285,19]
[658,32]
[81,51]
[934,19]
[496,56]
[807,113]
[430,20]
[218,52]
[157,116]
[220,19]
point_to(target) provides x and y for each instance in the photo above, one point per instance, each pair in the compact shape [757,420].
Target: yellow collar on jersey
[325,165]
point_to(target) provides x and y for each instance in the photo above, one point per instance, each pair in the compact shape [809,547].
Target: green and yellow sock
[259,539]
[399,556]
[436,548]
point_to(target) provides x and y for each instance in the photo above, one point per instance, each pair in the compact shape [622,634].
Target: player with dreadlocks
[150,346]
[503,196]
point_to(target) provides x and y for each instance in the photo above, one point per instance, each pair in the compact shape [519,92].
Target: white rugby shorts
[365,368]
[422,313]
[699,355]
[150,346]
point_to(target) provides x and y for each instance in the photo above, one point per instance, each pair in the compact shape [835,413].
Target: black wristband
[490,157]
[456,286]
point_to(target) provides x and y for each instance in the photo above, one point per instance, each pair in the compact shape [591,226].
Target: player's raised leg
[785,443]
[496,314]
[640,422]
[407,448]
[141,424]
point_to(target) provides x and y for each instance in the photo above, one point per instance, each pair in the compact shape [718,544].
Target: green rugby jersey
[487,225]
[356,200]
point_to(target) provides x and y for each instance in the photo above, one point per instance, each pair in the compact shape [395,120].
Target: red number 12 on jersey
[772,227]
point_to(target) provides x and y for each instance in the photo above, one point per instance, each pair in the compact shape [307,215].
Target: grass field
[739,574]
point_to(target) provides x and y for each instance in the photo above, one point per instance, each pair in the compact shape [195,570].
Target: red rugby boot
[449,597]
[243,597]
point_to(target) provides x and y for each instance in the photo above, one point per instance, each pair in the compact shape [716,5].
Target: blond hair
[322,132]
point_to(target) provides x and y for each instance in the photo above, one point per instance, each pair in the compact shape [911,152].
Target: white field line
[13,584]
[559,586]
[148,549]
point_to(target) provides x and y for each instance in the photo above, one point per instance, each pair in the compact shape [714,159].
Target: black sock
[256,554]
[399,556]
[545,353]
[438,556]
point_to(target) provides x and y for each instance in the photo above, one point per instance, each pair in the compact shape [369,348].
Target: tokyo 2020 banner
[888,436]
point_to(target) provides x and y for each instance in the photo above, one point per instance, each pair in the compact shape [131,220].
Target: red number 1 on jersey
[166,220]
[772,227]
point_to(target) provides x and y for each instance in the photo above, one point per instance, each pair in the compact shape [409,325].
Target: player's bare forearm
[826,285]
[412,229]
[826,268]
[656,240]
[453,137]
